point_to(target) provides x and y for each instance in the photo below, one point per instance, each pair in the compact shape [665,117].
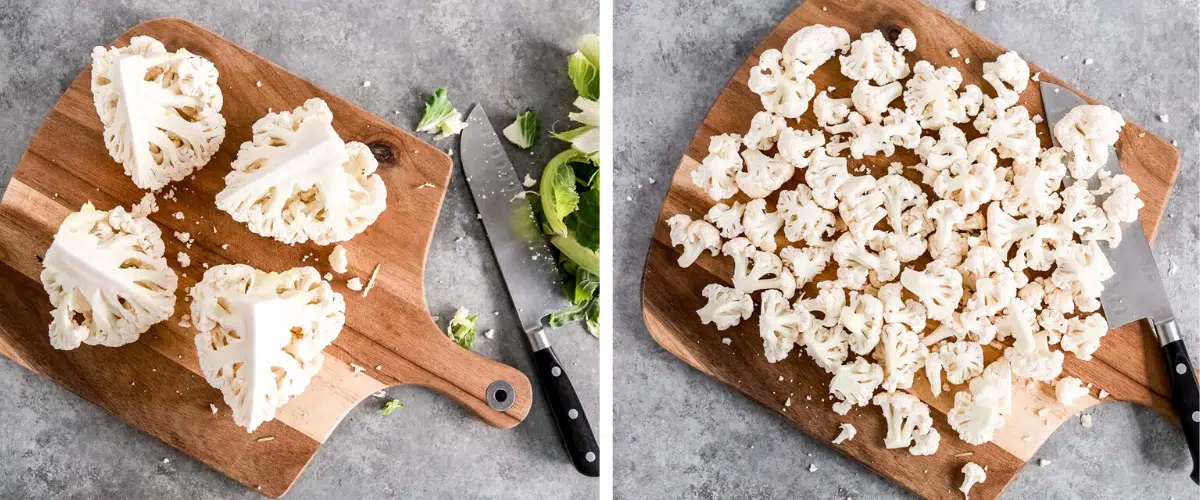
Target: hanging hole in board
[500,395]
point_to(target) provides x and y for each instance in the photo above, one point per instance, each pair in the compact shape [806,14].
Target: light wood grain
[155,384]
[1128,365]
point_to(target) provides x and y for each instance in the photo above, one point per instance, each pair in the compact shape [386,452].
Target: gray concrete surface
[680,434]
[508,55]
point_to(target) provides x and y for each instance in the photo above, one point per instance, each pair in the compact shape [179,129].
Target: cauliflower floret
[726,306]
[695,236]
[760,226]
[1082,270]
[794,145]
[939,287]
[898,129]
[715,174]
[974,182]
[764,130]
[1034,192]
[901,354]
[862,318]
[846,433]
[806,263]
[1083,335]
[899,196]
[871,57]
[854,259]
[932,96]
[826,307]
[161,111]
[949,150]
[861,206]
[980,410]
[763,174]
[897,309]
[873,102]
[751,268]
[782,90]
[261,335]
[107,279]
[972,473]
[825,176]
[812,46]
[853,384]
[1068,390]
[1037,251]
[993,293]
[780,324]
[296,181]
[1040,363]
[1121,206]
[728,219]
[803,219]
[1080,213]
[1012,131]
[982,261]
[946,244]
[1003,230]
[1009,75]
[1087,132]
[831,112]
[962,360]
[826,346]
[908,421]
[906,41]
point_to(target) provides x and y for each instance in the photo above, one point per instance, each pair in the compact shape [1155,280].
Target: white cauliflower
[826,346]
[1068,390]
[1012,131]
[1083,335]
[946,244]
[296,181]
[806,263]
[901,354]
[763,174]
[855,259]
[871,57]
[1041,362]
[829,111]
[695,236]
[261,335]
[939,287]
[751,268]
[972,473]
[860,206]
[897,309]
[846,433]
[980,410]
[764,130]
[1081,214]
[825,176]
[974,182]
[715,174]
[782,90]
[932,96]
[1009,76]
[862,318]
[1003,230]
[873,102]
[826,307]
[908,423]
[803,218]
[1081,269]
[796,146]
[161,110]
[1035,189]
[727,218]
[854,383]
[1088,132]
[780,325]
[1120,207]
[949,150]
[812,46]
[726,306]
[906,41]
[1037,251]
[107,279]
[761,226]
[897,129]
[962,360]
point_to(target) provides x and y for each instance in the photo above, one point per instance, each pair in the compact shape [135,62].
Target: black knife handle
[568,413]
[1185,397]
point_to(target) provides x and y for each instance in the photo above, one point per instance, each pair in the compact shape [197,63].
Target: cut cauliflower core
[297,181]
[161,110]
[107,279]
[261,335]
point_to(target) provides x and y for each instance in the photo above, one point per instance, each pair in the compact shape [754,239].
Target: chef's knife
[1135,292]
[530,273]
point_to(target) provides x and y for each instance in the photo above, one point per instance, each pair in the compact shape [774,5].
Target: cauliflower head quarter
[262,335]
[297,181]
[107,279]
[161,110]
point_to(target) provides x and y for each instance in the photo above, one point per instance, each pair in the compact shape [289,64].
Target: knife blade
[530,275]
[1135,291]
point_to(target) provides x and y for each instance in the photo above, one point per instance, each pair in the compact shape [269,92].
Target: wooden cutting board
[1128,365]
[155,384]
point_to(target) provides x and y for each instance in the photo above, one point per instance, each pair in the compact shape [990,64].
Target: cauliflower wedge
[107,278]
[261,335]
[161,110]
[297,181]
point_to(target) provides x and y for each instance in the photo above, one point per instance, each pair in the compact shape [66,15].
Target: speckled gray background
[680,434]
[507,55]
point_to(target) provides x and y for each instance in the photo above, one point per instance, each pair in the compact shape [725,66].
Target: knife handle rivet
[1180,369]
[1196,416]
[556,371]
[574,414]
[591,457]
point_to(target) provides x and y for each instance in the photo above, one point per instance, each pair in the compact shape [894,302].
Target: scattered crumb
[178,215]
[1037,77]
[183,237]
[1066,57]
[781,378]
[1043,412]
[491,334]
[788,402]
[726,341]
[265,439]
[183,259]
[225,246]
[1056,90]
[378,368]
[980,5]
[380,394]
[338,259]
[426,185]
[371,282]
[529,181]
[954,53]
[1175,143]
[1172,268]
[1164,118]
[258,84]
[328,276]
[651,179]
[1103,394]
[166,460]
[354,284]
[143,208]
[357,368]
[366,83]
[628,198]
[967,60]
[1027,438]
[1088,61]
[1043,462]
[1038,119]
[966,454]
[812,467]
[213,407]
[185,321]
[1085,420]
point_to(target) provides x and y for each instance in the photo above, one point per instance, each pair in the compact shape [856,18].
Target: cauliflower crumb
[812,467]
[357,368]
[1085,420]
[1043,412]
[354,284]
[183,237]
[1164,118]
[178,215]
[185,321]
[143,208]
[366,83]
[1037,77]
[954,53]
[225,246]
[1103,394]
[258,84]
[1088,61]
[426,185]
[491,334]
[726,341]
[1043,462]
[529,181]
[338,260]
[980,5]
[184,259]
[166,460]
[213,407]
[328,276]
